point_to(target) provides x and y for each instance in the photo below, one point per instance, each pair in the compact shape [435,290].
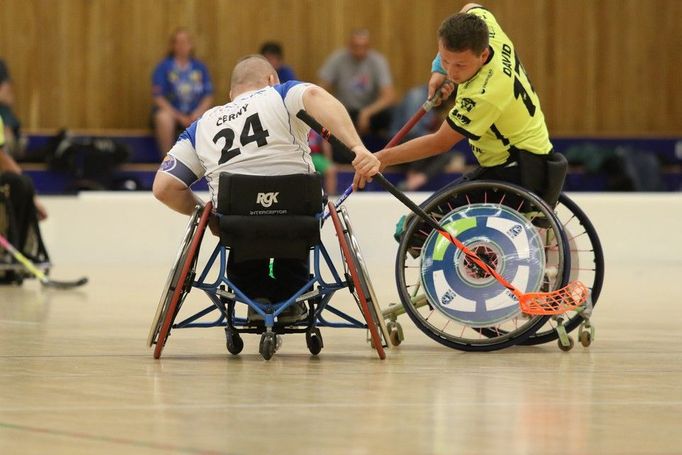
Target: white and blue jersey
[256,134]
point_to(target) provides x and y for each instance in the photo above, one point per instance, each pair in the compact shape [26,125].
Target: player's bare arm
[331,113]
[174,193]
[421,147]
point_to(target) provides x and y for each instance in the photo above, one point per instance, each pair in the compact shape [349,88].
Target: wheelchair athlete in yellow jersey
[496,108]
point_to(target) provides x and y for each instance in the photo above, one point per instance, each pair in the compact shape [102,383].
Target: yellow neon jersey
[2,133]
[498,109]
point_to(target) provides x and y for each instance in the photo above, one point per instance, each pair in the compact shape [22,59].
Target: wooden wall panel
[600,66]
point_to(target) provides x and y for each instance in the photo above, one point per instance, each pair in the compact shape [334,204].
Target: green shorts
[321,162]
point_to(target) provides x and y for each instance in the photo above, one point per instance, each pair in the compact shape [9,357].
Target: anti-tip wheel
[394,332]
[585,338]
[566,347]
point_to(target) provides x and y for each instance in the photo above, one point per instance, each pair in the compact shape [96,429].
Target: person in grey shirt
[360,78]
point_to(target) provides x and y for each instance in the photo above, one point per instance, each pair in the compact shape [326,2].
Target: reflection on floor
[76,377]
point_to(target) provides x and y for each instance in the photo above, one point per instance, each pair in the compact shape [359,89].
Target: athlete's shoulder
[472,107]
[492,84]
[285,88]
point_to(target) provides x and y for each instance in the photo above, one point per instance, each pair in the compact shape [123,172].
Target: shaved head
[250,73]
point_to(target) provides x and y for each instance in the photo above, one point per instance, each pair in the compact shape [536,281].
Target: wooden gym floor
[76,377]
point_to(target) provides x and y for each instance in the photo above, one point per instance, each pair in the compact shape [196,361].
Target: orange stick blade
[561,301]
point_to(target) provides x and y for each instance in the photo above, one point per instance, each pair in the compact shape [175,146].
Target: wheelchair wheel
[268,345]
[363,292]
[233,341]
[313,339]
[587,265]
[453,301]
[177,284]
[365,281]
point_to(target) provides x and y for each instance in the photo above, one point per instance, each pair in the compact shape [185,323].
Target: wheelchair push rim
[366,302]
[176,288]
[172,278]
[363,275]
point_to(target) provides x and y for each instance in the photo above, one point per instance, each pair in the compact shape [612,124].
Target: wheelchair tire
[510,326]
[177,285]
[268,345]
[233,341]
[313,339]
[362,287]
[363,274]
[587,264]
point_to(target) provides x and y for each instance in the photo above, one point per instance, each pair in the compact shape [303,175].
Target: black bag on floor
[91,161]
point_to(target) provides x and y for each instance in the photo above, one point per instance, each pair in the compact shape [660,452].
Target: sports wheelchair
[264,220]
[11,270]
[535,247]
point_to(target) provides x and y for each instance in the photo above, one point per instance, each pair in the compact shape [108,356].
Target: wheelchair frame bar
[342,315]
[218,249]
[324,292]
[188,322]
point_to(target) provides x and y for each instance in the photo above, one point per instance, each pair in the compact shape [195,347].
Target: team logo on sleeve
[467,104]
[168,164]
[461,117]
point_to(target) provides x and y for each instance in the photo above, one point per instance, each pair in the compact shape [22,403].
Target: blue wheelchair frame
[225,294]
[218,295]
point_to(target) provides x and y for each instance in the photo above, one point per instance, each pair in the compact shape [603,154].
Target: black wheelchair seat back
[269,216]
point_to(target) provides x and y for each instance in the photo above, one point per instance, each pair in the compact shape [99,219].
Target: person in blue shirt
[12,132]
[182,90]
[274,54]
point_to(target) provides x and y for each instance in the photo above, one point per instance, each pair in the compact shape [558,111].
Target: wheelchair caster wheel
[566,347]
[585,339]
[313,338]
[268,345]
[235,344]
[395,332]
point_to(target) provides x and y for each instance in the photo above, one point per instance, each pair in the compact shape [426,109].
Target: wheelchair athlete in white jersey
[256,134]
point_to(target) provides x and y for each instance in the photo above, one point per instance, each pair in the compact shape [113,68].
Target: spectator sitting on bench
[182,90]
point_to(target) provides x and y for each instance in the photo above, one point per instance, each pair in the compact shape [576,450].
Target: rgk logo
[266,199]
